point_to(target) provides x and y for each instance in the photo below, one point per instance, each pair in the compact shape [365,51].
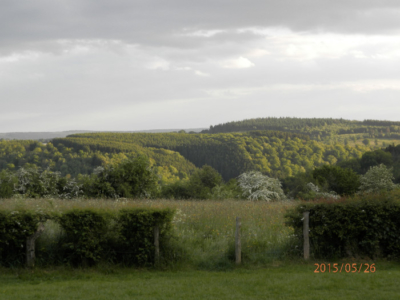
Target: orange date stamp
[345,268]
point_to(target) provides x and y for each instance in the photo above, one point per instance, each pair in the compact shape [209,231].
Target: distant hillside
[279,154]
[294,146]
[317,128]
[38,135]
[45,136]
[273,123]
[169,165]
[188,130]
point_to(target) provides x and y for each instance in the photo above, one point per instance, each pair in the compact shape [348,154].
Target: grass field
[205,230]
[294,280]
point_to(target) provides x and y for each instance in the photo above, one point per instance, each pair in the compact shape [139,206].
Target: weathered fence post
[306,226]
[157,244]
[238,243]
[30,246]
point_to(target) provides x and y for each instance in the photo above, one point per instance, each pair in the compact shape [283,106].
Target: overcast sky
[156,64]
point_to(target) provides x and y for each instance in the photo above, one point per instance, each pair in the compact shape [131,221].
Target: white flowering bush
[377,179]
[318,194]
[71,190]
[256,186]
[32,183]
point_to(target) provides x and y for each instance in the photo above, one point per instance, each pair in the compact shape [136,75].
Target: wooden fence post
[157,244]
[238,243]
[30,246]
[306,227]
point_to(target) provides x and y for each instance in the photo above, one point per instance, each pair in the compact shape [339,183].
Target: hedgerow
[364,226]
[15,227]
[137,236]
[90,234]
[84,233]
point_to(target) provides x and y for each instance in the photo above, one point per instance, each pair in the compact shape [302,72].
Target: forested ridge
[278,154]
[316,128]
[203,165]
[294,146]
[71,161]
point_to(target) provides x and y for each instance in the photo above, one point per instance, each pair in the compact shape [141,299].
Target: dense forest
[277,154]
[294,152]
[70,162]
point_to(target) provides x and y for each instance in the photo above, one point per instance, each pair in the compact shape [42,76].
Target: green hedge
[137,235]
[357,227]
[15,228]
[85,231]
[89,235]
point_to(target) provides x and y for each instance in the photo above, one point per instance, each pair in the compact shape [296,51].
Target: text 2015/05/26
[348,268]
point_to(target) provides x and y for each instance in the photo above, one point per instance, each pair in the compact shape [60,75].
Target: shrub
[315,193]
[6,184]
[15,228]
[132,178]
[377,179]
[256,186]
[85,231]
[176,190]
[334,178]
[367,226]
[33,183]
[203,181]
[84,235]
[137,236]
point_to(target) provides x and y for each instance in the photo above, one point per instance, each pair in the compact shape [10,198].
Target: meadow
[205,230]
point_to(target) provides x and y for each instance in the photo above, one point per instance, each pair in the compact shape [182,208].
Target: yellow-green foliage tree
[278,154]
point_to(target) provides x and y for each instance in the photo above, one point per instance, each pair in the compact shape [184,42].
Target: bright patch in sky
[237,63]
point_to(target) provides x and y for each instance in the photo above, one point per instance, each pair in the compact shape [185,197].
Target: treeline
[129,178]
[380,123]
[272,123]
[316,128]
[137,178]
[277,154]
[175,156]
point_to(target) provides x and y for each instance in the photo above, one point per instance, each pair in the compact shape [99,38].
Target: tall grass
[206,229]
[203,231]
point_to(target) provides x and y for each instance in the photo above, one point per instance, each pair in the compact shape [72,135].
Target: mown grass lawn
[279,281]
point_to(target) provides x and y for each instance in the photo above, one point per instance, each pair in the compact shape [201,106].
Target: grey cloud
[143,60]
[157,22]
